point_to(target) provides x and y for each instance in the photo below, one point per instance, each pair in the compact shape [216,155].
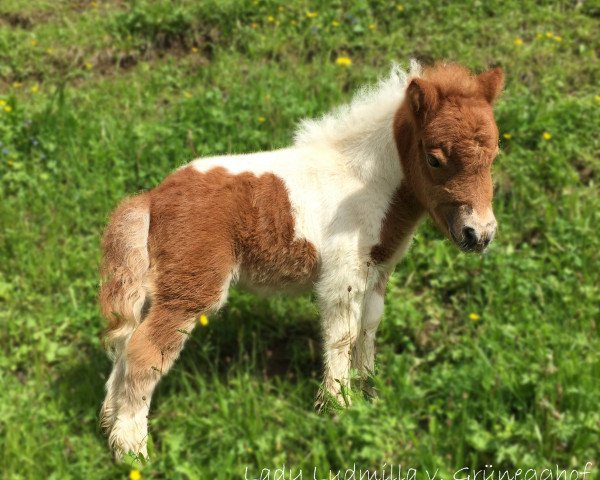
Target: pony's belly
[250,284]
[271,263]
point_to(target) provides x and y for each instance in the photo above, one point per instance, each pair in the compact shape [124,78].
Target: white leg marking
[114,384]
[341,309]
[363,357]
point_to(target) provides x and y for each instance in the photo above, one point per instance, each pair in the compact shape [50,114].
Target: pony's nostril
[469,235]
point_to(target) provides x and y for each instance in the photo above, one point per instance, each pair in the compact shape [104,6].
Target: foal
[334,213]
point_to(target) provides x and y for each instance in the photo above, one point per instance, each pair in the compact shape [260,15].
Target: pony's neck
[362,131]
[406,142]
[371,152]
[405,211]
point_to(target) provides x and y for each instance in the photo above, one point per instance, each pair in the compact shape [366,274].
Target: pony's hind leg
[152,349]
[114,383]
[109,408]
[149,354]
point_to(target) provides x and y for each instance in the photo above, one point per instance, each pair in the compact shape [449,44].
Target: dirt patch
[586,172]
[75,62]
[15,19]
[25,21]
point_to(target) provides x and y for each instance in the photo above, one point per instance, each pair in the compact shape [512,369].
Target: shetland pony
[333,213]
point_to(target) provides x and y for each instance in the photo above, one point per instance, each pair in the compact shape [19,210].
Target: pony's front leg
[363,355]
[340,318]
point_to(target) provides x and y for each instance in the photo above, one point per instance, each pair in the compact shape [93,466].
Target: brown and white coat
[333,213]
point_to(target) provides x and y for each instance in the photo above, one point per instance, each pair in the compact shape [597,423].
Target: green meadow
[482,360]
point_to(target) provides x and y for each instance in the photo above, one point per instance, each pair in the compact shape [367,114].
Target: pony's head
[453,142]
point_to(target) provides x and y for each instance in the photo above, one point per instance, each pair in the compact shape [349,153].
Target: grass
[103,99]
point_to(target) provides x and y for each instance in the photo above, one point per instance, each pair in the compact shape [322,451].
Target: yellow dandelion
[135,475]
[203,320]
[549,34]
[261,119]
[507,136]
[310,14]
[518,41]
[474,317]
[17,85]
[335,23]
[597,98]
[271,19]
[546,136]
[35,88]
[400,7]
[10,163]
[280,8]
[93,5]
[8,108]
[187,94]
[49,51]
[558,38]
[2,102]
[343,61]
[88,66]
[194,50]
[33,42]
[372,26]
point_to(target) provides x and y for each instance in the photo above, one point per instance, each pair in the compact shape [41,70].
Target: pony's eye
[433,161]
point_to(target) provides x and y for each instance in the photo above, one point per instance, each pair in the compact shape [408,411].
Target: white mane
[369,107]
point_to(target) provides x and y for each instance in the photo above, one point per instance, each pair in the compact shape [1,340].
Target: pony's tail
[123,271]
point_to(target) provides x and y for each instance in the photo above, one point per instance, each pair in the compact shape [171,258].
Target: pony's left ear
[422,98]
[491,83]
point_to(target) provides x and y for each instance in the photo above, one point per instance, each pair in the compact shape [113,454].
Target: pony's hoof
[129,439]
[131,456]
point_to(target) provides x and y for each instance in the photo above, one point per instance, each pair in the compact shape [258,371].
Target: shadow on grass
[251,335]
[80,388]
[266,342]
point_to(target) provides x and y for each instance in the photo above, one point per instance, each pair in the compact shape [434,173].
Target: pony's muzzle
[477,240]
[472,232]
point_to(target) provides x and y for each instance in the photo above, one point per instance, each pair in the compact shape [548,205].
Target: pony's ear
[422,97]
[491,84]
